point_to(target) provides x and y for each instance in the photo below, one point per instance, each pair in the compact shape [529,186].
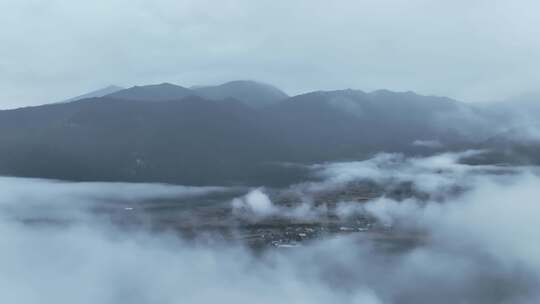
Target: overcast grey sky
[466,49]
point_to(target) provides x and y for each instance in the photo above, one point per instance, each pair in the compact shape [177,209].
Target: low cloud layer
[475,246]
[26,197]
[432,175]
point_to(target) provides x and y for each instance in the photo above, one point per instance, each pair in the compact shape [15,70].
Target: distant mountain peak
[248,83]
[97,93]
[158,85]
[154,92]
[167,84]
[390,92]
[113,87]
[253,93]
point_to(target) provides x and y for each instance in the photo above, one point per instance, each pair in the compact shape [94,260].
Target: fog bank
[478,245]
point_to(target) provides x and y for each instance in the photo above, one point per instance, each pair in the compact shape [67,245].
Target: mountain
[188,139]
[97,93]
[252,93]
[157,92]
[515,119]
[342,122]
[515,136]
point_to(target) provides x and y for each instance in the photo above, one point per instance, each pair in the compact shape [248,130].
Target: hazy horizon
[466,50]
[76,96]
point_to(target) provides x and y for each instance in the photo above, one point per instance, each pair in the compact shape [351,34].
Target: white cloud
[434,144]
[255,203]
[476,247]
[434,174]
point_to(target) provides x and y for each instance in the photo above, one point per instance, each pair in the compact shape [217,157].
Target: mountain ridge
[188,139]
[97,93]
